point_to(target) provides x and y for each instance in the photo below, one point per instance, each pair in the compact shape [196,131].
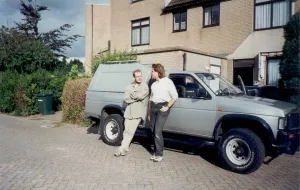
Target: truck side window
[187,86]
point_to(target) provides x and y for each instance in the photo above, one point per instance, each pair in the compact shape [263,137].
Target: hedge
[73,100]
[18,92]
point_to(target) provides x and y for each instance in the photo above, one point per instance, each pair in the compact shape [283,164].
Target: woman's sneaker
[152,157]
[158,158]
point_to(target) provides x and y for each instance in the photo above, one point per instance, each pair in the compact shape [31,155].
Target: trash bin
[45,101]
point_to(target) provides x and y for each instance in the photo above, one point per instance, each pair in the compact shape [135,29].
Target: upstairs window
[271,13]
[211,16]
[140,32]
[179,21]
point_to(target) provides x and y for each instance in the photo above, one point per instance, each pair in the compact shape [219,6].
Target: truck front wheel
[111,130]
[241,150]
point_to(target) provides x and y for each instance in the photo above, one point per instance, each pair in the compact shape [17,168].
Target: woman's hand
[164,109]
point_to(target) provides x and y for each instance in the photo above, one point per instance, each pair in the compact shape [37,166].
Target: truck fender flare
[248,117]
[112,106]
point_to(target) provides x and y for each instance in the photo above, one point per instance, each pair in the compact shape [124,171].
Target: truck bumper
[288,141]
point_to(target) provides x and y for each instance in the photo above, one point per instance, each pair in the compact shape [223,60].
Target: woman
[163,96]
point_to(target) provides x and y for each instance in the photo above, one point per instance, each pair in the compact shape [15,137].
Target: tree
[290,65]
[22,53]
[78,63]
[55,39]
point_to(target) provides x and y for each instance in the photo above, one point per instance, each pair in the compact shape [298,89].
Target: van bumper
[288,141]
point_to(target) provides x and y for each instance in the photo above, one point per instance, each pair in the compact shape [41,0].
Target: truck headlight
[282,123]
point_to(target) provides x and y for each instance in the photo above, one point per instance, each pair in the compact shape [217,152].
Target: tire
[241,150]
[111,130]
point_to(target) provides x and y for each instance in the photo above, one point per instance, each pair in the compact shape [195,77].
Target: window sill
[132,2]
[261,29]
[140,45]
[176,31]
[209,26]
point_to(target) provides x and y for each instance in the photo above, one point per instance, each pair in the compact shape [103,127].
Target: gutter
[179,48]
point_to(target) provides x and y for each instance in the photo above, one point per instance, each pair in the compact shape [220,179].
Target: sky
[61,12]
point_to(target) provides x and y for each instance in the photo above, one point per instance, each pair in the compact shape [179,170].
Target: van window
[187,86]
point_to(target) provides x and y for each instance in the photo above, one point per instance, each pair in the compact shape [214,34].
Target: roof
[176,4]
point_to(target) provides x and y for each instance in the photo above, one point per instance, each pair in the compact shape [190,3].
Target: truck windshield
[219,85]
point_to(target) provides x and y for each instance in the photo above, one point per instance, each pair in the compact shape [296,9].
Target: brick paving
[33,156]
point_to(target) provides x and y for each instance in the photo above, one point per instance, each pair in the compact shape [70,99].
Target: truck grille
[293,121]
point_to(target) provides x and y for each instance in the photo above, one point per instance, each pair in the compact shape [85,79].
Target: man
[163,96]
[135,110]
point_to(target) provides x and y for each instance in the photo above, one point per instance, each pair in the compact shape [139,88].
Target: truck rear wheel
[111,130]
[241,150]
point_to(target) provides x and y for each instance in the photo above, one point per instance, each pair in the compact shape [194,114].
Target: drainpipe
[184,61]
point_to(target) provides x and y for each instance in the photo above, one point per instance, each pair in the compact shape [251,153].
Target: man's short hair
[136,71]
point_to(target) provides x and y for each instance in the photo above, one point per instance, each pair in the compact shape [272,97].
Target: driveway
[36,156]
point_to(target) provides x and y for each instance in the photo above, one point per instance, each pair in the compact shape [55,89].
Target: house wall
[174,60]
[97,31]
[259,41]
[170,60]
[234,36]
[224,68]
[297,5]
[230,70]
[236,18]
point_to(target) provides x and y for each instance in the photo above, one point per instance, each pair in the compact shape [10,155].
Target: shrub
[18,93]
[112,56]
[8,82]
[73,100]
[289,65]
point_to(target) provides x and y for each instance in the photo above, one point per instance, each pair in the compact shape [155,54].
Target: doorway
[244,68]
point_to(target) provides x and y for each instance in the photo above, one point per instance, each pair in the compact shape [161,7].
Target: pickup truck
[210,110]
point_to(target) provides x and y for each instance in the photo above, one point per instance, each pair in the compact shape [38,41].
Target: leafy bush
[112,56]
[73,100]
[8,82]
[289,65]
[18,93]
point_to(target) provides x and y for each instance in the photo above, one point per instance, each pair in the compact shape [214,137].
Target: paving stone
[66,157]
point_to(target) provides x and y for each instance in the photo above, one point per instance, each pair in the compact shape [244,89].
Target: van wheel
[111,130]
[241,151]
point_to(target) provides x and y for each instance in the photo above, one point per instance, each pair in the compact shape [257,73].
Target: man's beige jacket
[134,96]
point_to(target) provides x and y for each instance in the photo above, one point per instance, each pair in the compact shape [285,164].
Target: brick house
[228,37]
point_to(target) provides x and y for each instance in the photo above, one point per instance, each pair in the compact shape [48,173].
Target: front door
[194,112]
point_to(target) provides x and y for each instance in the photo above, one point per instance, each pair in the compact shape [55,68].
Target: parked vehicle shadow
[93,129]
[208,153]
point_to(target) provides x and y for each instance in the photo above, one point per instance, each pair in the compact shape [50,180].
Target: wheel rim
[112,130]
[238,151]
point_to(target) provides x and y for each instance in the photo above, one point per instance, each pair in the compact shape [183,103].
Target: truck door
[194,112]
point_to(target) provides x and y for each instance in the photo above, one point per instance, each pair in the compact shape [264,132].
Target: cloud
[61,12]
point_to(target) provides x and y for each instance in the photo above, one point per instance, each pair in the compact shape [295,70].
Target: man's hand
[164,109]
[149,117]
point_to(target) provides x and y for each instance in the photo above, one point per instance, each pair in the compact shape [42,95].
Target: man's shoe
[124,153]
[152,157]
[117,153]
[121,153]
[158,159]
